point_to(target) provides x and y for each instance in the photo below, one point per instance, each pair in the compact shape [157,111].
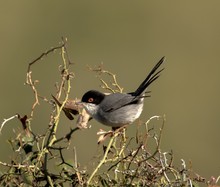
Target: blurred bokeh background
[128,37]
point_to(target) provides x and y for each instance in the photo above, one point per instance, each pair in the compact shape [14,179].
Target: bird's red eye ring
[90,100]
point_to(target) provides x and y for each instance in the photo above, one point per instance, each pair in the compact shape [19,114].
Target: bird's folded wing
[117,101]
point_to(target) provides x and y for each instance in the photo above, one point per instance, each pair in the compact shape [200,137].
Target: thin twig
[43,55]
[7,120]
[116,87]
[103,159]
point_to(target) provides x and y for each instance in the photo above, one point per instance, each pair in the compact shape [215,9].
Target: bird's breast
[122,116]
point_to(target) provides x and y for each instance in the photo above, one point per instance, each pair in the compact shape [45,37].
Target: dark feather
[149,79]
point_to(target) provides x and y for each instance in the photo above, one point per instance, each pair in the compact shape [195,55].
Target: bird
[119,109]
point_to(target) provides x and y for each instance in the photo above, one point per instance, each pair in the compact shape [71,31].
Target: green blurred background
[129,37]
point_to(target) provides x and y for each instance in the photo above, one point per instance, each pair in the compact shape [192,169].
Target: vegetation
[126,161]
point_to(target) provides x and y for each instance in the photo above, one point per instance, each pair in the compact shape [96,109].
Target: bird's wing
[119,100]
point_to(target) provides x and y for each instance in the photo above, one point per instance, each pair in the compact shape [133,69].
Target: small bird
[119,109]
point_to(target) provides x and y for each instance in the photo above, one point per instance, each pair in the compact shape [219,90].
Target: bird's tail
[152,76]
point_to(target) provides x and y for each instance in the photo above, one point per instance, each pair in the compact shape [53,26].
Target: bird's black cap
[93,96]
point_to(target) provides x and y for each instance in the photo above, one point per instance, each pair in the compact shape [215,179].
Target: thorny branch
[114,87]
[37,60]
[32,83]
[65,87]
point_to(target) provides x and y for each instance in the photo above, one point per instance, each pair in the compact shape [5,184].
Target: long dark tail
[152,76]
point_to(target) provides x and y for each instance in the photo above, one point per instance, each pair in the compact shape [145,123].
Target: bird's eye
[90,100]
